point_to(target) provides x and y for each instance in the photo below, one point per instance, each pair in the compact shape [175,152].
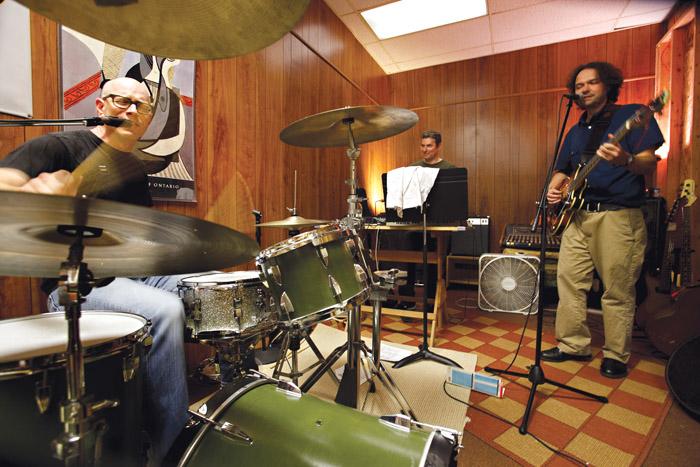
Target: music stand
[536,374]
[424,352]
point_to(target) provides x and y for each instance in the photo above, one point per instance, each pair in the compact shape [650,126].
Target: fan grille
[508,283]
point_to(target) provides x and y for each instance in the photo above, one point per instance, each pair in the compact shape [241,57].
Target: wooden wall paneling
[504,166]
[693,134]
[483,200]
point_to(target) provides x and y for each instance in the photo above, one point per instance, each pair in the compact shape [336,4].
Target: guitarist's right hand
[554,195]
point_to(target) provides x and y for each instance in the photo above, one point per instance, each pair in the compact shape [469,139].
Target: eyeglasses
[144,108]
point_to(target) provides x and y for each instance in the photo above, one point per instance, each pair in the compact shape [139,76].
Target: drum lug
[351,247]
[289,388]
[42,394]
[274,270]
[399,421]
[197,310]
[323,254]
[286,304]
[335,287]
[360,274]
[237,309]
[227,429]
[129,366]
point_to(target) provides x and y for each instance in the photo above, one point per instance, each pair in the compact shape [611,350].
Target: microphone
[574,97]
[107,120]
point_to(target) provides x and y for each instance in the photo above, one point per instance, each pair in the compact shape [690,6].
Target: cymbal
[293,222]
[188,29]
[327,129]
[135,240]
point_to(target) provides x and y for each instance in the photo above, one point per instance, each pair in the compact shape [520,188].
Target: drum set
[73,382]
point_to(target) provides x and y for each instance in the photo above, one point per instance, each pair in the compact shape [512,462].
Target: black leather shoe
[611,368]
[556,355]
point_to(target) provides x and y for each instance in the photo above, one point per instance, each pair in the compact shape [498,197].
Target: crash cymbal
[189,29]
[135,241]
[293,222]
[369,123]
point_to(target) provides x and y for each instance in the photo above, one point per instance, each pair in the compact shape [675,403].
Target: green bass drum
[256,422]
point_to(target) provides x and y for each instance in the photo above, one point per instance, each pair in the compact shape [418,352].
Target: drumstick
[106,169]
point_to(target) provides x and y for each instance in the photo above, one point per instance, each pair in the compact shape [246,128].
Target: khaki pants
[613,243]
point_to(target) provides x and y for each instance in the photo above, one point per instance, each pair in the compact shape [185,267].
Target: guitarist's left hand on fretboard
[613,153]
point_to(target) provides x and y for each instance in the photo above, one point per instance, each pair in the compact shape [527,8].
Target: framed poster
[167,147]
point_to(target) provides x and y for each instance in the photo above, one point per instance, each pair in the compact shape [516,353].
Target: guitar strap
[600,123]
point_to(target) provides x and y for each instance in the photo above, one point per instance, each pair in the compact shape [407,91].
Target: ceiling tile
[359,28]
[437,41]
[339,7]
[553,37]
[361,5]
[378,53]
[651,17]
[637,7]
[552,16]
[498,6]
[446,58]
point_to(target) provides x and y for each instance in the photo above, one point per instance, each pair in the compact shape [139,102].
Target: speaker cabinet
[474,241]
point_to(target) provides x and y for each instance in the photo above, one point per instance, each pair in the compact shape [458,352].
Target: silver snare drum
[226,305]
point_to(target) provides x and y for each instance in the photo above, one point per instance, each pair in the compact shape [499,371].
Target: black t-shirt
[66,150]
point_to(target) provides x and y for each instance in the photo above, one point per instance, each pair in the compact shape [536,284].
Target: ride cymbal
[293,222]
[188,29]
[133,240]
[330,128]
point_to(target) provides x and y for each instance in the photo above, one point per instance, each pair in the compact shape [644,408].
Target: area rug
[420,383]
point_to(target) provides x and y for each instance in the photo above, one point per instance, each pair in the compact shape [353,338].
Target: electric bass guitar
[574,187]
[679,320]
[662,283]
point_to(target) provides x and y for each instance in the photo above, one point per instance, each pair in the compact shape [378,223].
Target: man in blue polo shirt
[608,234]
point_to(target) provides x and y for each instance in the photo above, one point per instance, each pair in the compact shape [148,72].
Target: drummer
[44,165]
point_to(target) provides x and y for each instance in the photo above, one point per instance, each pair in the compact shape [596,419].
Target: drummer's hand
[60,182]
[554,195]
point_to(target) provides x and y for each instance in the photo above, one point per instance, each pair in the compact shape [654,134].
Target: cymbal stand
[82,431]
[293,334]
[293,209]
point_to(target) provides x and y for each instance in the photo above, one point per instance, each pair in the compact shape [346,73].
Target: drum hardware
[337,128]
[42,393]
[405,423]
[291,342]
[349,386]
[227,429]
[387,281]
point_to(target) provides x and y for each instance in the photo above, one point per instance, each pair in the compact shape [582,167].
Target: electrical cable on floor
[556,451]
[535,288]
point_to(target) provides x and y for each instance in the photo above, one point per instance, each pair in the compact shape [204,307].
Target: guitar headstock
[642,116]
[688,192]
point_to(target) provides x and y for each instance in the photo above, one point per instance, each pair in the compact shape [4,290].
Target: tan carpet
[421,383]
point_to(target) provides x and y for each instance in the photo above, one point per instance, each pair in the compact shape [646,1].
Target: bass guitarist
[607,233]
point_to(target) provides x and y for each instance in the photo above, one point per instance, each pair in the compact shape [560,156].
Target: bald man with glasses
[45,165]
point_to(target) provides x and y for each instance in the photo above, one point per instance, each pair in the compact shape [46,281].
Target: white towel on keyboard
[408,187]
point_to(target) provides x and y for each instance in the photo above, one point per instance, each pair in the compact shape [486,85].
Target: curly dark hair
[432,134]
[609,74]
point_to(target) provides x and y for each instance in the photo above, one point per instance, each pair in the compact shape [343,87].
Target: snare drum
[313,273]
[226,305]
[291,429]
[33,381]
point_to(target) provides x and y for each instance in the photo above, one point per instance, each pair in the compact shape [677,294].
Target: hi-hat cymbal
[190,29]
[293,222]
[328,129]
[135,241]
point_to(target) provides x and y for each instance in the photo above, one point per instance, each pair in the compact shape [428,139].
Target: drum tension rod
[227,429]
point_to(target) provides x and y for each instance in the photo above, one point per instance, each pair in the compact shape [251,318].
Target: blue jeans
[154,298]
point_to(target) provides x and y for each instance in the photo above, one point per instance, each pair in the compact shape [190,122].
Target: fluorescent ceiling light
[407,16]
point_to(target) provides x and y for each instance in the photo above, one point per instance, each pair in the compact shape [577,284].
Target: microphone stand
[536,374]
[424,352]
[90,121]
